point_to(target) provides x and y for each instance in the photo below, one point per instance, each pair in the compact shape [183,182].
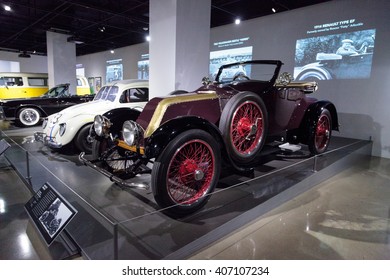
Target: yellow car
[27,85]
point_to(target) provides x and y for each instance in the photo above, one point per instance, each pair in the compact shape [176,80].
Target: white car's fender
[75,117]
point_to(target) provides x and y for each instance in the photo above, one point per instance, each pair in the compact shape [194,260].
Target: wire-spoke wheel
[244,125]
[321,134]
[186,172]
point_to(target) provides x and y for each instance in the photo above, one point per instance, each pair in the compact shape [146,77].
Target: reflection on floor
[15,243]
[345,217]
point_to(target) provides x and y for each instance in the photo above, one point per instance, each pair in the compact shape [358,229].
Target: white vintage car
[72,125]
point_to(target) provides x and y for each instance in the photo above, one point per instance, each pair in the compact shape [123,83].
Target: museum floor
[345,217]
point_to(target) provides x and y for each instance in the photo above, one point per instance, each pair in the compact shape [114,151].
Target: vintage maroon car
[187,136]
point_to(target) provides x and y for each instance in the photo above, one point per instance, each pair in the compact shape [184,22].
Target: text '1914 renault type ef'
[188,136]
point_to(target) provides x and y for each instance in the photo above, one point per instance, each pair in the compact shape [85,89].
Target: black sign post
[4,145]
[50,212]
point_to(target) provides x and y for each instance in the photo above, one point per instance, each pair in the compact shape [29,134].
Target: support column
[179,47]
[61,60]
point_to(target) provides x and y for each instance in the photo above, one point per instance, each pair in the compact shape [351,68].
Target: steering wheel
[241,76]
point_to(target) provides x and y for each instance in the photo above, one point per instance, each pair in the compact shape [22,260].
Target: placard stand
[50,212]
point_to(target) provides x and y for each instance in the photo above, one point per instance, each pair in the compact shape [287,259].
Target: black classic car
[29,111]
[187,137]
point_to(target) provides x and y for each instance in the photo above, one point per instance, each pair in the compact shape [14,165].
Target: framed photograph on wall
[98,83]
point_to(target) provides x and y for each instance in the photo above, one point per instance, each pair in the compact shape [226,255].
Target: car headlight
[62,128]
[44,124]
[101,125]
[132,133]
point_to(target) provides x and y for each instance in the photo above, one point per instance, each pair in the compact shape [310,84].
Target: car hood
[92,108]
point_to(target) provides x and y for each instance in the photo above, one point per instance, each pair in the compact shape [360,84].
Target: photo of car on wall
[340,56]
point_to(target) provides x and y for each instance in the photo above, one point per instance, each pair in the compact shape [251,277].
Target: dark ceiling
[107,24]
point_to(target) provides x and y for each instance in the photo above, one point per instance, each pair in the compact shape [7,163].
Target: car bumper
[48,141]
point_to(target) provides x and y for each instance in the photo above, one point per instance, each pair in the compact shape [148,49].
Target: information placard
[50,212]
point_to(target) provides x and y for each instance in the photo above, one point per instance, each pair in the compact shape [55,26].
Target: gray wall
[34,64]
[95,64]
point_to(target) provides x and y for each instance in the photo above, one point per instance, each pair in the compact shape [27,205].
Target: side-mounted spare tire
[244,126]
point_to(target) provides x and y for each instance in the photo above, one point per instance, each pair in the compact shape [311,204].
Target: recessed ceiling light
[7,8]
[237,21]
[147,38]
[274,10]
[112,51]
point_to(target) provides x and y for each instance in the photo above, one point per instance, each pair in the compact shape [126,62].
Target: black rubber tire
[320,133]
[244,157]
[29,116]
[180,153]
[81,140]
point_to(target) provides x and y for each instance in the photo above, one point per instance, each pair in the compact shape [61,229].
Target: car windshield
[242,72]
[59,91]
[107,93]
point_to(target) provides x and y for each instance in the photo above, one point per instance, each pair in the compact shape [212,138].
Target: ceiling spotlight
[7,8]
[237,21]
[147,38]
[145,28]
[102,29]
[112,51]
[274,10]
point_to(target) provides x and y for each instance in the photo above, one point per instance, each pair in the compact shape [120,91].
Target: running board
[290,147]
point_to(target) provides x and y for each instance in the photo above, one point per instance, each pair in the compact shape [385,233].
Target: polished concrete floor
[345,217]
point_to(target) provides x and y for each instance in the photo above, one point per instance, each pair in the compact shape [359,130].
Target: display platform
[117,223]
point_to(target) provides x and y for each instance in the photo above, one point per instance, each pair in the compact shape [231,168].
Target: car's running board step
[290,147]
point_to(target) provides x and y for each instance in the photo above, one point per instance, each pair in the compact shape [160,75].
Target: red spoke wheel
[186,172]
[244,125]
[321,134]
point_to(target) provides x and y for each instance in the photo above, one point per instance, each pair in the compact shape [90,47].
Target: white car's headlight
[132,133]
[62,128]
[101,125]
[98,125]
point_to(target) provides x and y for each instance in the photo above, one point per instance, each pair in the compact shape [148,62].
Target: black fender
[312,114]
[118,116]
[157,142]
